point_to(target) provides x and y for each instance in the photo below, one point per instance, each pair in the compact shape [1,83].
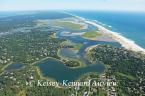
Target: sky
[115,5]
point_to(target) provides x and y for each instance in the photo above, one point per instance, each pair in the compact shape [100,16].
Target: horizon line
[71,10]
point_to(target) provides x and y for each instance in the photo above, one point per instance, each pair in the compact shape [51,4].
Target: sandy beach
[126,43]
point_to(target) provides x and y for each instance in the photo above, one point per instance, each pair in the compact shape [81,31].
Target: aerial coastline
[125,42]
[70,48]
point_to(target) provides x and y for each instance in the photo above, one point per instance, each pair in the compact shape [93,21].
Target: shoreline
[125,42]
[91,47]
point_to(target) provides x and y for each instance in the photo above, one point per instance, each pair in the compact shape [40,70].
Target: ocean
[8,14]
[129,24]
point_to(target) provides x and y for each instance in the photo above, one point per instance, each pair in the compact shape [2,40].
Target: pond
[57,70]
[14,66]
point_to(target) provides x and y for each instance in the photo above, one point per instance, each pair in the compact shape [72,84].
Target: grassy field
[68,24]
[91,34]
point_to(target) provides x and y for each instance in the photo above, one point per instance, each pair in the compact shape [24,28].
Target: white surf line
[125,42]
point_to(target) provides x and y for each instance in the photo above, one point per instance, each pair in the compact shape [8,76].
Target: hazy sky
[127,5]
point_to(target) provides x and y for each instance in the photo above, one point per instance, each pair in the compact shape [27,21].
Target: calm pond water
[14,66]
[57,70]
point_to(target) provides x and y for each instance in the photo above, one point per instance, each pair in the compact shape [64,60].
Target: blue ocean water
[8,14]
[130,24]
